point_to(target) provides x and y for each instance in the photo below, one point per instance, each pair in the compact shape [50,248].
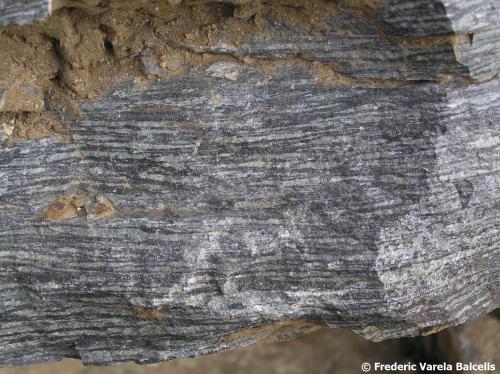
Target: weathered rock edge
[213,209]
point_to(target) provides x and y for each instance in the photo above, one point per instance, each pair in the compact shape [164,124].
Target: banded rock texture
[345,175]
[23,12]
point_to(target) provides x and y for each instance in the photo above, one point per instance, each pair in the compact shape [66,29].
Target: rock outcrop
[204,176]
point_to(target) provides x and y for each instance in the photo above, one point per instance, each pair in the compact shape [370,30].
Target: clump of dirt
[21,97]
[65,207]
[102,209]
[209,24]
[93,208]
[308,15]
[20,126]
[326,76]
[362,8]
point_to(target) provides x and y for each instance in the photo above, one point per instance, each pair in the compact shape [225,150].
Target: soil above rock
[85,47]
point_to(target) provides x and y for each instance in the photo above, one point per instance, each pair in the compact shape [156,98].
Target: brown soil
[19,126]
[104,210]
[65,207]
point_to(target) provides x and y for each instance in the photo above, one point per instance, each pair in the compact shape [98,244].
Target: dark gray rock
[403,42]
[149,64]
[209,203]
[22,12]
[420,18]
[363,208]
[478,19]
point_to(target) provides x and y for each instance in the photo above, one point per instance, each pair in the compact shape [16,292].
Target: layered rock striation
[183,179]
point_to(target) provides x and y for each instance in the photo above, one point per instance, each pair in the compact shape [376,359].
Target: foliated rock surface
[343,174]
[23,12]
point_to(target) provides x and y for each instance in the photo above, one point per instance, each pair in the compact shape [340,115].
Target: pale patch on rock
[227,70]
[486,141]
[8,129]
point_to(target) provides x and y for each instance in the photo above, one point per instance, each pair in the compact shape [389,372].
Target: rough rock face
[324,351]
[281,167]
[22,12]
